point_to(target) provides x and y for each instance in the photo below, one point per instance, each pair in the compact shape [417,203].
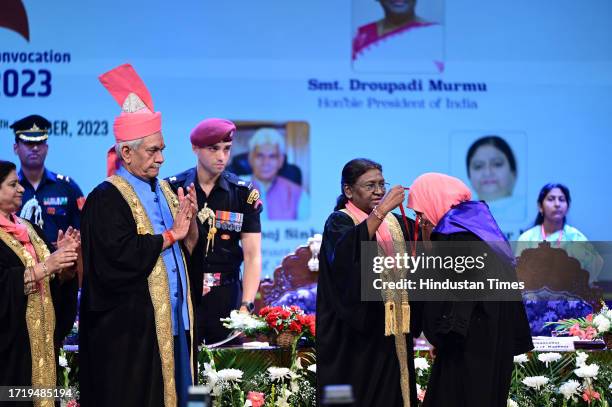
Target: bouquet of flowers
[291,319]
[592,326]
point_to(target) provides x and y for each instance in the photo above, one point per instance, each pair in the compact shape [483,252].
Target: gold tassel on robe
[390,320]
[405,317]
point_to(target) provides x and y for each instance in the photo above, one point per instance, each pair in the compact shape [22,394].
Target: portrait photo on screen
[405,36]
[275,157]
[493,165]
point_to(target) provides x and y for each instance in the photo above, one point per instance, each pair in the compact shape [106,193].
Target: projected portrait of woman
[494,166]
[400,40]
[491,168]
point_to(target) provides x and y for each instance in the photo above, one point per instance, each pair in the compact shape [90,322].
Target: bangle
[377,214]
[45,270]
[169,237]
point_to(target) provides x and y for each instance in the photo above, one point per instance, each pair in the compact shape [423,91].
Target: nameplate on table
[553,344]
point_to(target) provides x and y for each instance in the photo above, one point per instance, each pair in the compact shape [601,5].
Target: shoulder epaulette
[234,179]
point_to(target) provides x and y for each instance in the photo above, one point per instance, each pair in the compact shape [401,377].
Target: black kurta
[120,362]
[475,344]
[351,344]
[15,351]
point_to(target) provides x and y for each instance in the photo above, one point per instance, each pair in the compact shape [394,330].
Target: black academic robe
[351,344]
[475,342]
[120,362]
[15,351]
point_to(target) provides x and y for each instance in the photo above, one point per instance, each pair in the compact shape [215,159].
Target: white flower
[581,358]
[211,380]
[609,314]
[602,323]
[312,368]
[512,403]
[587,371]
[62,361]
[242,321]
[248,403]
[279,373]
[535,381]
[570,389]
[520,359]
[421,364]
[230,375]
[283,398]
[549,357]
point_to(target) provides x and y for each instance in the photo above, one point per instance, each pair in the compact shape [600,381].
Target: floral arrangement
[553,379]
[422,367]
[68,377]
[541,312]
[275,320]
[270,387]
[289,319]
[592,326]
[547,379]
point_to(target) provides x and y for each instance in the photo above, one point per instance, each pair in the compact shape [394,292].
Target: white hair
[267,135]
[132,145]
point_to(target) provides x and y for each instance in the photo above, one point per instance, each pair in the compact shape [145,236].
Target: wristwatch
[249,305]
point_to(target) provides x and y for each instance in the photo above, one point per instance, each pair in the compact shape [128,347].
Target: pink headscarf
[434,194]
[137,120]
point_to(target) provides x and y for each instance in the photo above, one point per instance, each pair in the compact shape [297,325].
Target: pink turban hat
[138,118]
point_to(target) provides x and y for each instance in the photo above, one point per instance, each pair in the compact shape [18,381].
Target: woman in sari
[37,289]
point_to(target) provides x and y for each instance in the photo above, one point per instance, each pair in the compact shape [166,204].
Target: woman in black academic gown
[475,340]
[37,292]
[355,346]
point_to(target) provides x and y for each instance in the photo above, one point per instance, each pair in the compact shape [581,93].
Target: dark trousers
[218,303]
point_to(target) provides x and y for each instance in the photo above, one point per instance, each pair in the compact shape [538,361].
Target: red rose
[295,326]
[295,308]
[264,311]
[589,318]
[312,327]
[284,314]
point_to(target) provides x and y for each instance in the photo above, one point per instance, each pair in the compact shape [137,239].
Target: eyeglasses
[373,186]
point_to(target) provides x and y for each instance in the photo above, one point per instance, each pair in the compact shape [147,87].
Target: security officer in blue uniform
[52,201]
[230,231]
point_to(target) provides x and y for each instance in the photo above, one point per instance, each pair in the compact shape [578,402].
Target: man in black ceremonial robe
[136,331]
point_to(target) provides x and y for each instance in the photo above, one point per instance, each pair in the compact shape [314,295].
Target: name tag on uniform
[54,210]
[55,201]
[231,221]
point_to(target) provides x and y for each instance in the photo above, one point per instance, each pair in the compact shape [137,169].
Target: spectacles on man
[373,186]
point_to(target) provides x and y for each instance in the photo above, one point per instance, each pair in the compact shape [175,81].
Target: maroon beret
[212,131]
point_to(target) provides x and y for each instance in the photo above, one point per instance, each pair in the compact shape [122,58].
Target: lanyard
[558,239]
[413,243]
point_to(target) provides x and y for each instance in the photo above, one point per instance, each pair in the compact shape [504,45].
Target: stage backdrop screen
[332,81]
